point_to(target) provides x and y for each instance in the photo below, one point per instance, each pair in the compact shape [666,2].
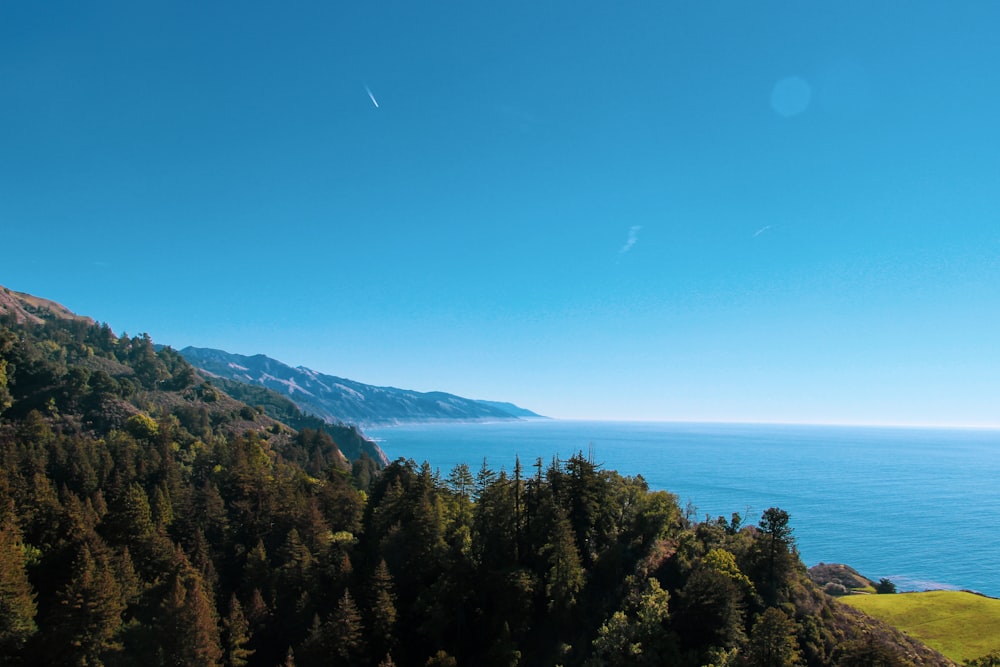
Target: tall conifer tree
[88,615]
[17,598]
[236,634]
[382,610]
[188,623]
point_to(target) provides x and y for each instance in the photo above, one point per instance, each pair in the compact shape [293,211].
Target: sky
[696,211]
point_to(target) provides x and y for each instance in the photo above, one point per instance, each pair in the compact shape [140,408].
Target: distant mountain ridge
[337,399]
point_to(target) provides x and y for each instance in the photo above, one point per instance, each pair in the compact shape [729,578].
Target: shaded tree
[777,548]
[188,624]
[88,613]
[235,635]
[772,640]
[382,610]
[565,575]
[636,634]
[885,586]
[17,597]
[347,631]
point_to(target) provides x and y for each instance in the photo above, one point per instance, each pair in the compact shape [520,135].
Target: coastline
[880,499]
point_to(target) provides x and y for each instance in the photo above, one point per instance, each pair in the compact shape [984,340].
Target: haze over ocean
[916,505]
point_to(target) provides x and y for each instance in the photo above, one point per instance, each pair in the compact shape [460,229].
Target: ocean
[919,506]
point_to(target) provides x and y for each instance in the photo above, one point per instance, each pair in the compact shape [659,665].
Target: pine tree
[296,569]
[236,634]
[461,481]
[202,631]
[257,573]
[188,624]
[565,575]
[484,479]
[89,610]
[257,612]
[161,508]
[200,554]
[775,553]
[17,599]
[128,580]
[295,577]
[316,648]
[382,610]
[131,519]
[6,398]
[347,630]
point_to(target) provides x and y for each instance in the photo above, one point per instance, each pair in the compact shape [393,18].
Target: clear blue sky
[647,210]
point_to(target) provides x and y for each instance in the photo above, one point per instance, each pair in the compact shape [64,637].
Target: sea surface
[919,506]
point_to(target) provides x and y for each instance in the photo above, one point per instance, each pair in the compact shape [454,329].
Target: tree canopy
[146,516]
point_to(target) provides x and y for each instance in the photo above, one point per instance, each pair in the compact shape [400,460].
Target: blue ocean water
[920,506]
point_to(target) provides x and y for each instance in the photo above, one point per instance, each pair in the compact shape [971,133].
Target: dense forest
[149,517]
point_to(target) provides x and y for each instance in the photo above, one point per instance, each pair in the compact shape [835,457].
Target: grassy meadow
[961,625]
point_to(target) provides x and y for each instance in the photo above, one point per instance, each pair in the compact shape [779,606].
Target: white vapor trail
[371,96]
[633,236]
[761,231]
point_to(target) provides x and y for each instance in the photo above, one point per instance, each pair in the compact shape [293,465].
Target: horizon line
[747,422]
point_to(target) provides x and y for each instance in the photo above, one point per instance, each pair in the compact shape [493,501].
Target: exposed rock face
[837,573]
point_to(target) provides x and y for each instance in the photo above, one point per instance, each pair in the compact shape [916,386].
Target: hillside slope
[147,517]
[27,308]
[962,625]
[67,365]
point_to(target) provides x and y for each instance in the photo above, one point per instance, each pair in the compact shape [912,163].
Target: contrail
[374,101]
[758,232]
[633,236]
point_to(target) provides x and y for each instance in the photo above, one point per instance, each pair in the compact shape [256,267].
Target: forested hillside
[146,517]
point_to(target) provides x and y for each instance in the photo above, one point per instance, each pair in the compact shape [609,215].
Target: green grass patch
[960,625]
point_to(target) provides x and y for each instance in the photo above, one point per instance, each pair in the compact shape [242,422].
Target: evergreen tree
[772,640]
[583,490]
[161,509]
[315,650]
[461,481]
[341,637]
[131,585]
[188,624]
[775,551]
[257,612]
[17,598]
[495,520]
[236,635]
[6,398]
[382,610]
[347,631]
[565,575]
[710,610]
[295,578]
[484,479]
[257,573]
[88,615]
